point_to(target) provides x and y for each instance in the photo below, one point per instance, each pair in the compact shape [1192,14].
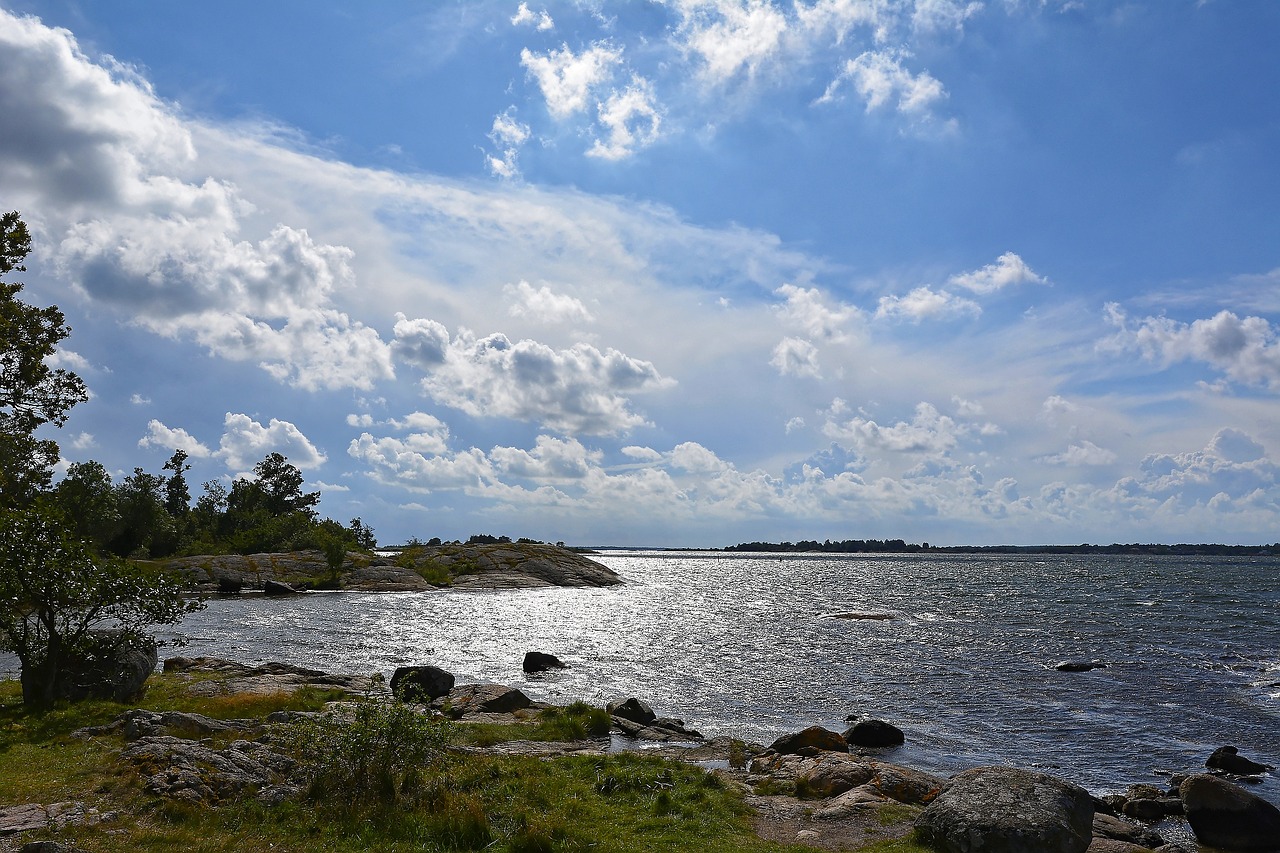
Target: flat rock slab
[267,678]
[35,816]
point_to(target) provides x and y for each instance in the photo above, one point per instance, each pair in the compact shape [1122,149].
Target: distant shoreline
[897,546]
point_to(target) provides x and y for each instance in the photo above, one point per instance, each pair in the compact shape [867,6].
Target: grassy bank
[446,799]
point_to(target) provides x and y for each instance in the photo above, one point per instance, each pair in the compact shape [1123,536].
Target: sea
[959,651]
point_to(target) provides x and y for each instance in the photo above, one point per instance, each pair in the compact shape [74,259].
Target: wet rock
[1111,845]
[1152,810]
[1225,815]
[874,733]
[279,588]
[1229,760]
[420,683]
[661,729]
[632,709]
[1006,810]
[1108,826]
[541,662]
[812,740]
[230,586]
[1079,665]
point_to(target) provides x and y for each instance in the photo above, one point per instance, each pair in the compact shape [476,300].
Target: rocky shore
[491,566]
[815,788]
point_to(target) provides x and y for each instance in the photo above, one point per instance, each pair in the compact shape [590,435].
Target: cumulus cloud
[567,79]
[1244,349]
[730,37]
[928,432]
[796,357]
[926,304]
[173,438]
[880,79]
[576,390]
[630,119]
[806,309]
[1082,453]
[544,304]
[1008,270]
[551,458]
[245,443]
[1231,471]
[103,160]
[526,17]
[508,136]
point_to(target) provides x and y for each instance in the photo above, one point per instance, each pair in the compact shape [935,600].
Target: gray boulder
[1007,810]
[810,741]
[1225,815]
[113,666]
[420,683]
[279,588]
[483,699]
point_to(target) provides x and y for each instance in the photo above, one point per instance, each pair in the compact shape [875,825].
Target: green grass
[449,801]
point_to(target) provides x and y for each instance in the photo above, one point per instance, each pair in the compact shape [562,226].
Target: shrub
[374,756]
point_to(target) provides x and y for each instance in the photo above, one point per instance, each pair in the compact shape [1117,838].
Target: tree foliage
[31,392]
[55,592]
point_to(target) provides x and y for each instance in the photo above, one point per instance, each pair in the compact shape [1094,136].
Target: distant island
[898,546]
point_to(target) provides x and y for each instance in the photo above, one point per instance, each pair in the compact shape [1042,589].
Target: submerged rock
[1079,665]
[542,662]
[1229,760]
[874,733]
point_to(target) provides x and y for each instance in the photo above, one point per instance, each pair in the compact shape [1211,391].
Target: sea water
[961,655]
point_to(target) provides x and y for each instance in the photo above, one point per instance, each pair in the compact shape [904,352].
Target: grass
[447,801]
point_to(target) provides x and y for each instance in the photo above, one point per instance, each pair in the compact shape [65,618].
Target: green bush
[376,756]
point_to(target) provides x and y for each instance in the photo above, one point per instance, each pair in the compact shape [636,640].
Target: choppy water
[739,645]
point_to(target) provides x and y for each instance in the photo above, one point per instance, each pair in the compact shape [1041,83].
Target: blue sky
[691,272]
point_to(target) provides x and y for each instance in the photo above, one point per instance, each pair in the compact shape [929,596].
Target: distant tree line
[898,546]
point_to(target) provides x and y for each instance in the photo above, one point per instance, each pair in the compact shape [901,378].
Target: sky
[671,272]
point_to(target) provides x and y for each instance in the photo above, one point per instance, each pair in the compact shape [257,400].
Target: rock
[483,699]
[905,785]
[230,586]
[874,733]
[1006,810]
[1112,845]
[113,667]
[420,683]
[278,588]
[1152,810]
[1225,815]
[1107,826]
[193,772]
[47,847]
[813,740]
[632,709]
[268,678]
[831,774]
[1079,665]
[1229,759]
[541,662]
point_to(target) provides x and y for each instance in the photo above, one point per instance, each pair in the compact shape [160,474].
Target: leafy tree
[86,497]
[147,529]
[31,392]
[55,592]
[281,486]
[177,496]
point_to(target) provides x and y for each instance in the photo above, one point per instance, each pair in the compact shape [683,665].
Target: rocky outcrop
[633,710]
[498,566]
[470,699]
[541,662]
[266,679]
[1225,815]
[1007,810]
[874,734]
[182,769]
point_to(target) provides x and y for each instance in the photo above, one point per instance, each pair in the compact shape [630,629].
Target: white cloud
[796,357]
[926,304]
[508,136]
[576,390]
[929,432]
[544,304]
[730,37]
[1083,453]
[631,121]
[794,425]
[1233,470]
[943,14]
[1244,349]
[568,79]
[552,459]
[245,443]
[173,438]
[880,79]
[84,441]
[806,309]
[1008,270]
[540,20]
[139,400]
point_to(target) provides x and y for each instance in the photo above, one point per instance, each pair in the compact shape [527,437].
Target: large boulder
[810,741]
[874,733]
[1007,810]
[483,699]
[420,683]
[112,666]
[1225,815]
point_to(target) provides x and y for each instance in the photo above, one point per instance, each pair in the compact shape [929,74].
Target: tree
[86,497]
[177,496]
[55,595]
[31,392]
